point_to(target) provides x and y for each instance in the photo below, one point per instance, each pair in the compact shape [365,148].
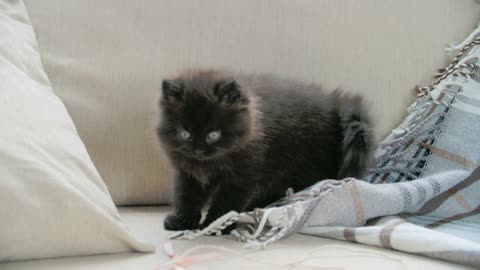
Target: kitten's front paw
[175,222]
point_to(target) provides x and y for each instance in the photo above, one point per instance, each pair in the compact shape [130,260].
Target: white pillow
[53,202]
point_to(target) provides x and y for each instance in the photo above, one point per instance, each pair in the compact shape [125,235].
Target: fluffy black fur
[275,134]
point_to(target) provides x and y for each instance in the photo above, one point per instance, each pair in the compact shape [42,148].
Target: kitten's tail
[357,142]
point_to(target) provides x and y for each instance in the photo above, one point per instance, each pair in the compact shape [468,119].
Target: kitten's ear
[229,92]
[172,90]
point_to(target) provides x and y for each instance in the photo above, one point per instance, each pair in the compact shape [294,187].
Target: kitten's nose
[199,151]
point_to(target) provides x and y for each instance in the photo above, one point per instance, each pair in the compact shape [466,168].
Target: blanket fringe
[453,48]
[276,232]
[215,228]
[259,237]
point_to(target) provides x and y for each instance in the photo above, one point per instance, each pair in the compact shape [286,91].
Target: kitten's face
[203,118]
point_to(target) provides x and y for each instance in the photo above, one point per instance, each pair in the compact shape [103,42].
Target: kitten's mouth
[202,157]
[194,155]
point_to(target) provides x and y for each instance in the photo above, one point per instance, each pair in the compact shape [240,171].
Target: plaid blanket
[422,197]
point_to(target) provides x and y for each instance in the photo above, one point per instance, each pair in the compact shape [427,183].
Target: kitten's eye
[213,136]
[184,135]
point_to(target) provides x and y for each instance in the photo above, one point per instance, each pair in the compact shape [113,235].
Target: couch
[105,60]
[146,223]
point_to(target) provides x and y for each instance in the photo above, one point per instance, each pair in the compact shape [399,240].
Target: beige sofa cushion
[53,202]
[320,253]
[106,59]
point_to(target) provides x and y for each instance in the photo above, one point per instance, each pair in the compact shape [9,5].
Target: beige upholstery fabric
[106,59]
[330,254]
[53,202]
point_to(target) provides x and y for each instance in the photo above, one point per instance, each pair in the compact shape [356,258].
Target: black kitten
[244,140]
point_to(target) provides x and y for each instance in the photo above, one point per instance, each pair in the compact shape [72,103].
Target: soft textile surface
[423,195]
[321,253]
[106,59]
[52,199]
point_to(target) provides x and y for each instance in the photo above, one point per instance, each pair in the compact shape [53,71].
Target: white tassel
[261,225]
[255,245]
[215,227]
[452,47]
[399,132]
